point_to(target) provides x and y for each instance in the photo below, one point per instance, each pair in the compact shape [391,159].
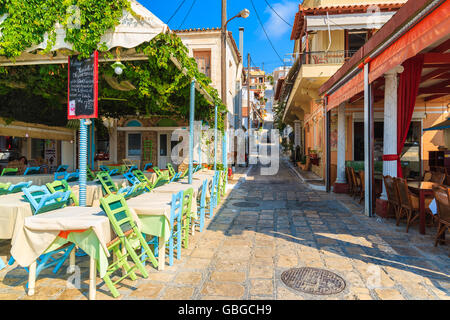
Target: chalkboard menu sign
[83,87]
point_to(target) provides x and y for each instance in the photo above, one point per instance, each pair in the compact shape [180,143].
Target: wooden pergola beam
[434,97]
[442,47]
[436,58]
[435,74]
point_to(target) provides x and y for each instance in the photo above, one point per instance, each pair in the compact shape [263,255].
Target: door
[134,147]
[164,151]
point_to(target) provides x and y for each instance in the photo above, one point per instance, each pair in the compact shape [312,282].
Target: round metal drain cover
[246,204]
[313,281]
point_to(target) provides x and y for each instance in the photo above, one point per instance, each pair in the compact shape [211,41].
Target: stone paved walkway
[243,252]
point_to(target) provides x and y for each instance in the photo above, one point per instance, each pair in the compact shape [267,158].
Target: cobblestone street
[244,250]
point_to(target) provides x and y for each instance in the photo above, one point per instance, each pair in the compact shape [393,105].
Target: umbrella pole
[83,162]
[215,137]
[191,131]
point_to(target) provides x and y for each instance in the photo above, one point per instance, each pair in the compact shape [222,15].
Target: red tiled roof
[299,21]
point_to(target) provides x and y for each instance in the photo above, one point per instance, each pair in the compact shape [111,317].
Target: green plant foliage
[155,86]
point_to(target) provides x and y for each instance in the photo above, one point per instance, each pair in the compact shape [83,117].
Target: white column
[390,123]
[340,178]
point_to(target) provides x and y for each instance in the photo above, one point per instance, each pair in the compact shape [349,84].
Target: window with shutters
[203,59]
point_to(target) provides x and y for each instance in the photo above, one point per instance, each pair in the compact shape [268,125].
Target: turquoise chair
[41,201]
[32,170]
[214,193]
[62,168]
[202,205]
[60,175]
[111,172]
[72,176]
[18,187]
[176,212]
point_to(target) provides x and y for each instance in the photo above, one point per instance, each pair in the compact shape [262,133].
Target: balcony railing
[324,57]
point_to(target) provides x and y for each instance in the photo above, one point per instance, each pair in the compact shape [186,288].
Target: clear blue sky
[207,14]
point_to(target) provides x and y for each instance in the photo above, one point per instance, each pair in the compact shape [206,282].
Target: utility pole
[248,94]
[223,56]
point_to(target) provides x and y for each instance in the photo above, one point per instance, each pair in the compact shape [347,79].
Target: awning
[440,126]
[432,28]
[36,131]
[130,33]
[348,21]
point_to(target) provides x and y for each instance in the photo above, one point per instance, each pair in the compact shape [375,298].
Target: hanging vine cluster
[161,88]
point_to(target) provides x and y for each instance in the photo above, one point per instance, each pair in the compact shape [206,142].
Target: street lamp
[242,14]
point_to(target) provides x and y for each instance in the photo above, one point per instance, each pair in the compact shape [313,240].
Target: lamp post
[242,14]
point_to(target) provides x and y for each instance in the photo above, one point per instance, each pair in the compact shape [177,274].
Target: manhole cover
[313,281]
[246,204]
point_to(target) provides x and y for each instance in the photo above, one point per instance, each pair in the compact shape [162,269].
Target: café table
[88,228]
[423,189]
[153,211]
[36,179]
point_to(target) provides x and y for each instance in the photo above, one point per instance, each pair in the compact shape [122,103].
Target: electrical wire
[187,14]
[175,12]
[267,36]
[278,14]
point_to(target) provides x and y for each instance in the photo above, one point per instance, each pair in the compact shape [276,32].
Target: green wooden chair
[172,171]
[109,187]
[90,174]
[186,215]
[157,171]
[142,178]
[129,239]
[10,171]
[4,188]
[62,185]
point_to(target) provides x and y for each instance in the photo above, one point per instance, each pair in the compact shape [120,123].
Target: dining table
[422,189]
[87,227]
[36,179]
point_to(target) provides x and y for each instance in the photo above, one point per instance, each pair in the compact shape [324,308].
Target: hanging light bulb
[118,67]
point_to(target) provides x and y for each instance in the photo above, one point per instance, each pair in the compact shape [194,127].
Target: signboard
[83,87]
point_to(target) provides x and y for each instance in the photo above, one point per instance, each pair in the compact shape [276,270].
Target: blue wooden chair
[41,201]
[176,177]
[176,212]
[14,188]
[132,191]
[132,179]
[32,170]
[148,166]
[132,168]
[111,172]
[62,168]
[60,176]
[202,205]
[72,176]
[214,191]
[2,264]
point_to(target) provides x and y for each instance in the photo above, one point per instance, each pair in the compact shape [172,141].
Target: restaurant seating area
[424,203]
[130,218]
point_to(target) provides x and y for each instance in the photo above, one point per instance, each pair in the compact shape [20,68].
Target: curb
[311,186]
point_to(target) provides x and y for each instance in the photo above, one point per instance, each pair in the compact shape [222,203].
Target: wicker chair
[427,176]
[442,196]
[356,186]
[437,177]
[409,203]
[361,183]
[392,194]
[349,180]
